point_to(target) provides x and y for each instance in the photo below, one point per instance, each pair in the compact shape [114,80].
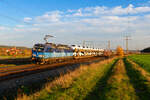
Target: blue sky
[25,22]
[16,10]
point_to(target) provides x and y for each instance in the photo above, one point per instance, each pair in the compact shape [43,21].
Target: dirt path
[97,91]
[118,85]
[115,85]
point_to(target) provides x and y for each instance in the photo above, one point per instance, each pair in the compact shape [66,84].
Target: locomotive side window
[39,48]
[49,50]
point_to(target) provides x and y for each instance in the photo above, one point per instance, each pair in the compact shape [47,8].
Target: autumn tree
[119,51]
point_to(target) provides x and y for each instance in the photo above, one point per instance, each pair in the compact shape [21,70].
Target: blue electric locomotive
[49,53]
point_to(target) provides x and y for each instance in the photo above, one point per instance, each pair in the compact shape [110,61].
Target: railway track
[16,61]
[7,73]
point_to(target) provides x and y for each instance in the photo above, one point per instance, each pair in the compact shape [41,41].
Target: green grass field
[142,60]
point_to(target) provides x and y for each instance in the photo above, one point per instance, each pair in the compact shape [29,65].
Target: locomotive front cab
[37,52]
[49,53]
[41,52]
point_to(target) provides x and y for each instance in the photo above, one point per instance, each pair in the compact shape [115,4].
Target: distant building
[14,51]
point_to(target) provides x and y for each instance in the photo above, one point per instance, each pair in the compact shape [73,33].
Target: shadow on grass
[138,81]
[30,88]
[99,90]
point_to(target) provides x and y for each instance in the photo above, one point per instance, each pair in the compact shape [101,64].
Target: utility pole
[127,38]
[109,45]
[83,44]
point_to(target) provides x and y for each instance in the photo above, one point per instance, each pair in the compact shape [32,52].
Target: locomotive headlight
[41,55]
[33,55]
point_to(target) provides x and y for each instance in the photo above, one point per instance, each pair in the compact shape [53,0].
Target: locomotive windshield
[38,47]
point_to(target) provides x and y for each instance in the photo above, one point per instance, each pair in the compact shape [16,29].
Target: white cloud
[19,26]
[70,11]
[142,9]
[118,10]
[27,19]
[26,29]
[147,16]
[130,9]
[90,23]
[78,13]
[49,17]
[2,28]
[100,10]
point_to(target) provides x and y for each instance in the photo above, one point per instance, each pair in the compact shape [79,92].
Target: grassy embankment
[139,78]
[75,85]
